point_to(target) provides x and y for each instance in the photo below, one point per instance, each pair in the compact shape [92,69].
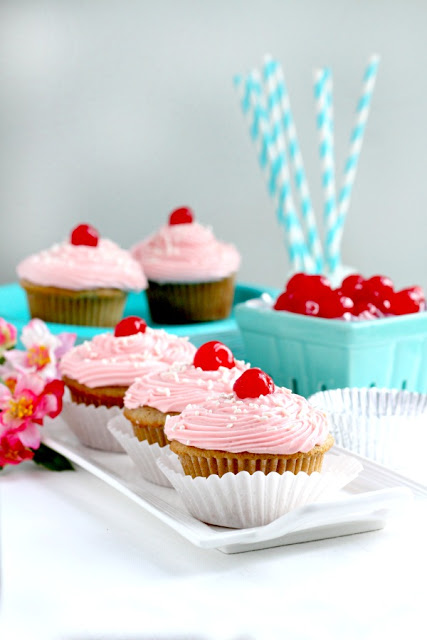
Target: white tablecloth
[81,561]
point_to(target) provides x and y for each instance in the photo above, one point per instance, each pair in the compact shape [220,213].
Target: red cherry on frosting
[253,383]
[84,234]
[212,355]
[129,326]
[183,215]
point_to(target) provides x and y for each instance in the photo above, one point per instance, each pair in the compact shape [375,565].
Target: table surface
[81,561]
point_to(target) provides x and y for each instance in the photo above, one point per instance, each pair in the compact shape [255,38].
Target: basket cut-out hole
[294,385]
[323,387]
[404,384]
[373,384]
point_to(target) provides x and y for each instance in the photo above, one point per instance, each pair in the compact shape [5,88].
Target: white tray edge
[366,511]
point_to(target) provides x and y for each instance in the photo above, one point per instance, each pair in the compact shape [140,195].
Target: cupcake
[191,275]
[99,372]
[258,427]
[251,456]
[82,281]
[159,394]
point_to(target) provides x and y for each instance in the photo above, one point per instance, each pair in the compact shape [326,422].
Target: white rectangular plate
[364,505]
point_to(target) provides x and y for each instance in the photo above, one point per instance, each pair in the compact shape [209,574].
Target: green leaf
[52,460]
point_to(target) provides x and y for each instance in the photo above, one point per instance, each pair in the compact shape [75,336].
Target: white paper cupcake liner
[143,454]
[89,425]
[242,500]
[387,425]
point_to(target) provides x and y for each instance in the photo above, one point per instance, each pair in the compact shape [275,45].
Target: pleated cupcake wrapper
[143,454]
[86,310]
[382,424]
[242,500]
[190,302]
[98,397]
[89,425]
[200,465]
[152,435]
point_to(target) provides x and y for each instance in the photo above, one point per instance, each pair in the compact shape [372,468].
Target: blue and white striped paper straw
[275,167]
[330,108]
[350,169]
[283,127]
[326,151]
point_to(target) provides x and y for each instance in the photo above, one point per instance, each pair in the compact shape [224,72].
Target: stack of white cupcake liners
[386,425]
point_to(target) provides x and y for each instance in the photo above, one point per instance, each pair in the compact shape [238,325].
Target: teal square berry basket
[309,354]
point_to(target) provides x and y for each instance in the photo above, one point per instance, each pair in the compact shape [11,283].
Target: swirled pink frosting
[278,423]
[175,388]
[186,253]
[110,361]
[81,267]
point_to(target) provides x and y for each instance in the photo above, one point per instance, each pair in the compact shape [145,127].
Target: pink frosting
[186,253]
[110,361]
[174,389]
[278,423]
[81,267]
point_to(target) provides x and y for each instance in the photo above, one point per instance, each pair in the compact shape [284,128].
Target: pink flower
[43,350]
[12,451]
[8,335]
[51,400]
[24,405]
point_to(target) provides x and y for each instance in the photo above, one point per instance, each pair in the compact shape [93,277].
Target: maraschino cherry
[362,307]
[352,286]
[379,286]
[183,215]
[285,302]
[129,326]
[335,304]
[296,304]
[295,283]
[379,290]
[213,355]
[84,234]
[253,383]
[312,295]
[311,286]
[408,301]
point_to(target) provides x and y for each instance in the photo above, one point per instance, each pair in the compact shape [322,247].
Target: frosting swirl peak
[186,253]
[78,267]
[277,423]
[117,361]
[173,389]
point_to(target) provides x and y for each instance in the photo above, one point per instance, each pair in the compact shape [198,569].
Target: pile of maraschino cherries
[357,297]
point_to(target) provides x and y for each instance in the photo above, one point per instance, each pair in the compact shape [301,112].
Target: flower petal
[12,451]
[67,341]
[30,437]
[31,382]
[37,333]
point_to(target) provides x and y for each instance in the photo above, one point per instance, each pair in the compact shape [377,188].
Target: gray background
[116,112]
